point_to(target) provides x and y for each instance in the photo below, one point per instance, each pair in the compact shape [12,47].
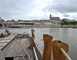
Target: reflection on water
[68,35]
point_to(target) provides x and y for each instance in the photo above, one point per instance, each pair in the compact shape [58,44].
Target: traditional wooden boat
[14,47]
[23,47]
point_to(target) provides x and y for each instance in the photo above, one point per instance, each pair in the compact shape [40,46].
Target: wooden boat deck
[14,47]
[4,41]
[14,50]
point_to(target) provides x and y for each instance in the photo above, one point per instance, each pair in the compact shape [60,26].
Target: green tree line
[66,22]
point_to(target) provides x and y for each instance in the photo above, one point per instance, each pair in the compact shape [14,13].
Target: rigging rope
[39,38]
[18,47]
[24,50]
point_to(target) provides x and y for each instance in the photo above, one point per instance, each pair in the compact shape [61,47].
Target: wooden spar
[57,53]
[33,37]
[47,47]
[32,44]
[24,50]
[36,57]
[65,54]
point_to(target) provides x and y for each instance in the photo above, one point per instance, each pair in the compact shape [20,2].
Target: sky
[38,9]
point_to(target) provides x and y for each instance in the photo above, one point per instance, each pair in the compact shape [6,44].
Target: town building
[55,20]
[52,21]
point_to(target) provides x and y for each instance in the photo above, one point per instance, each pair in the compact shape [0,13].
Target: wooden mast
[57,53]
[33,37]
[47,47]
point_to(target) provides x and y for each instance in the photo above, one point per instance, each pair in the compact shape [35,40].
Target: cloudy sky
[38,9]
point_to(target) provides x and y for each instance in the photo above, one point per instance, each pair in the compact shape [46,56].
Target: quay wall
[41,26]
[69,26]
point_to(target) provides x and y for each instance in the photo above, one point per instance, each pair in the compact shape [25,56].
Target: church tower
[50,17]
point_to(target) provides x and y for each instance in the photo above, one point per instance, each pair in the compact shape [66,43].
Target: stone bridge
[3,25]
[15,24]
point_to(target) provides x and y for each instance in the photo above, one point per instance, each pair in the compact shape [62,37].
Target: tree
[64,22]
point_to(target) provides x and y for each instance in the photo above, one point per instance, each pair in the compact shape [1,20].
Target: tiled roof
[54,18]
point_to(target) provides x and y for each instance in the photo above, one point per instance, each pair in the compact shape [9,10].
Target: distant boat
[6,33]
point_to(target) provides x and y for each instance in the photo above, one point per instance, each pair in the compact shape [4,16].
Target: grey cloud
[63,6]
[66,15]
[10,8]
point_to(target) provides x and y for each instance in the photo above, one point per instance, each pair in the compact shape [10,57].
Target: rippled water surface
[67,35]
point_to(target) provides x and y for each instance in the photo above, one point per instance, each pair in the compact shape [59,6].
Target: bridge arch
[5,25]
[1,25]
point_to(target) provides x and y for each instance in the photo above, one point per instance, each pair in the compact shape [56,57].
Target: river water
[67,35]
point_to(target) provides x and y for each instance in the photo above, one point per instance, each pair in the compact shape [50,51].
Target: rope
[7,48]
[39,50]
[35,53]
[23,58]
[18,47]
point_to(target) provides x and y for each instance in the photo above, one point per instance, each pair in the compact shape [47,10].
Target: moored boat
[5,34]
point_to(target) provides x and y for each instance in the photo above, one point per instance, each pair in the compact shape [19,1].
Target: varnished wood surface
[57,53]
[47,47]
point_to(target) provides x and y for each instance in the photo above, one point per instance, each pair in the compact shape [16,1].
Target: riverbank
[45,26]
[42,26]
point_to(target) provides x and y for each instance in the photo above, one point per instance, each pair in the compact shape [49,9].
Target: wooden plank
[4,41]
[25,43]
[11,36]
[13,49]
[6,38]
[1,56]
[3,44]
[21,58]
[1,47]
